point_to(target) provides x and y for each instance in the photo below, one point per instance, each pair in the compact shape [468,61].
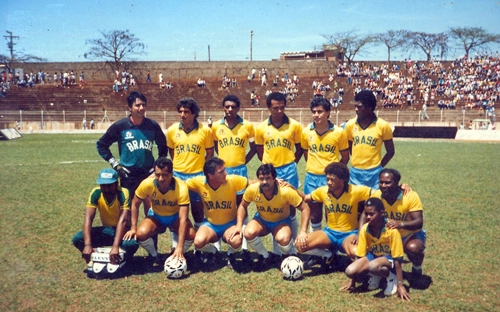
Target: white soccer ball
[175,267]
[292,268]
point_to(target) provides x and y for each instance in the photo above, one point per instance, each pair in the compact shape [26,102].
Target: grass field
[46,180]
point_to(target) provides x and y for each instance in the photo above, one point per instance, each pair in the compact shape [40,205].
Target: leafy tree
[392,39]
[115,47]
[349,42]
[473,37]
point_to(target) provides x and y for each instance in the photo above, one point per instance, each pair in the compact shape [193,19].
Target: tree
[473,37]
[115,47]
[428,42]
[16,57]
[349,42]
[392,39]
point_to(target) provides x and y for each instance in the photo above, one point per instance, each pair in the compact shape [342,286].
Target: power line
[11,43]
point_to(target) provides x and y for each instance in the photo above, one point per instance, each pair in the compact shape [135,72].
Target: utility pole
[251,35]
[209,53]
[11,43]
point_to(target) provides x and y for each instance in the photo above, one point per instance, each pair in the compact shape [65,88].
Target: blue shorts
[370,256]
[367,177]
[219,229]
[240,170]
[313,181]
[165,221]
[271,225]
[289,174]
[337,238]
[421,235]
[193,196]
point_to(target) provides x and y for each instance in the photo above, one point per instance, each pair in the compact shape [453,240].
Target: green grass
[46,179]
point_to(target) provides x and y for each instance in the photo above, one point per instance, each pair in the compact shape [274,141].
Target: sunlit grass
[46,180]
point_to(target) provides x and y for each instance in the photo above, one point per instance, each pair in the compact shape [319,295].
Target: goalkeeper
[135,135]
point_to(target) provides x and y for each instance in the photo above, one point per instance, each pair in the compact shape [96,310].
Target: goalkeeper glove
[122,171]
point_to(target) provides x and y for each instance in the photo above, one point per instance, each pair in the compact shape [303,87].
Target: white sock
[231,250]
[244,243]
[285,250]
[217,244]
[324,253]
[316,227]
[208,248]
[149,245]
[257,245]
[175,239]
[276,246]
[187,245]
[416,267]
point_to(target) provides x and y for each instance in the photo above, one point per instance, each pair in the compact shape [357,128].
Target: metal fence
[62,120]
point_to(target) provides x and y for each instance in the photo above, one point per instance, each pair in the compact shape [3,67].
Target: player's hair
[340,171]
[163,162]
[367,98]
[266,169]
[395,174]
[232,98]
[320,101]
[211,165]
[191,104]
[375,202]
[277,96]
[135,95]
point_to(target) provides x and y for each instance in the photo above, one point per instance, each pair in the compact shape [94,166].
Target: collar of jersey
[170,187]
[330,125]
[240,120]
[287,120]
[196,125]
[373,121]
[275,188]
[383,228]
[400,195]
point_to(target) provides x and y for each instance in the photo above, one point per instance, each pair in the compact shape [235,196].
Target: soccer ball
[175,268]
[292,268]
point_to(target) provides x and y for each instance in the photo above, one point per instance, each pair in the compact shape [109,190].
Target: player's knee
[373,267]
[415,247]
[350,271]
[250,233]
[142,234]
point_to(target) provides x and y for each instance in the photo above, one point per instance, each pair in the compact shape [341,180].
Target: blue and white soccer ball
[292,268]
[175,268]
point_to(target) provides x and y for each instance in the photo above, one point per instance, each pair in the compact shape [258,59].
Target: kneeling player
[404,212]
[218,193]
[113,203]
[273,204]
[379,252]
[170,208]
[343,203]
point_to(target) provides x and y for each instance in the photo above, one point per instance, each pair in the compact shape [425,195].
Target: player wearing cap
[113,204]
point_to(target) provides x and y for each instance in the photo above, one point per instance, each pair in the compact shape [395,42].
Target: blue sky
[183,30]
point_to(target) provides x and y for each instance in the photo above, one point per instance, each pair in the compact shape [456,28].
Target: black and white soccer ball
[175,267]
[292,268]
